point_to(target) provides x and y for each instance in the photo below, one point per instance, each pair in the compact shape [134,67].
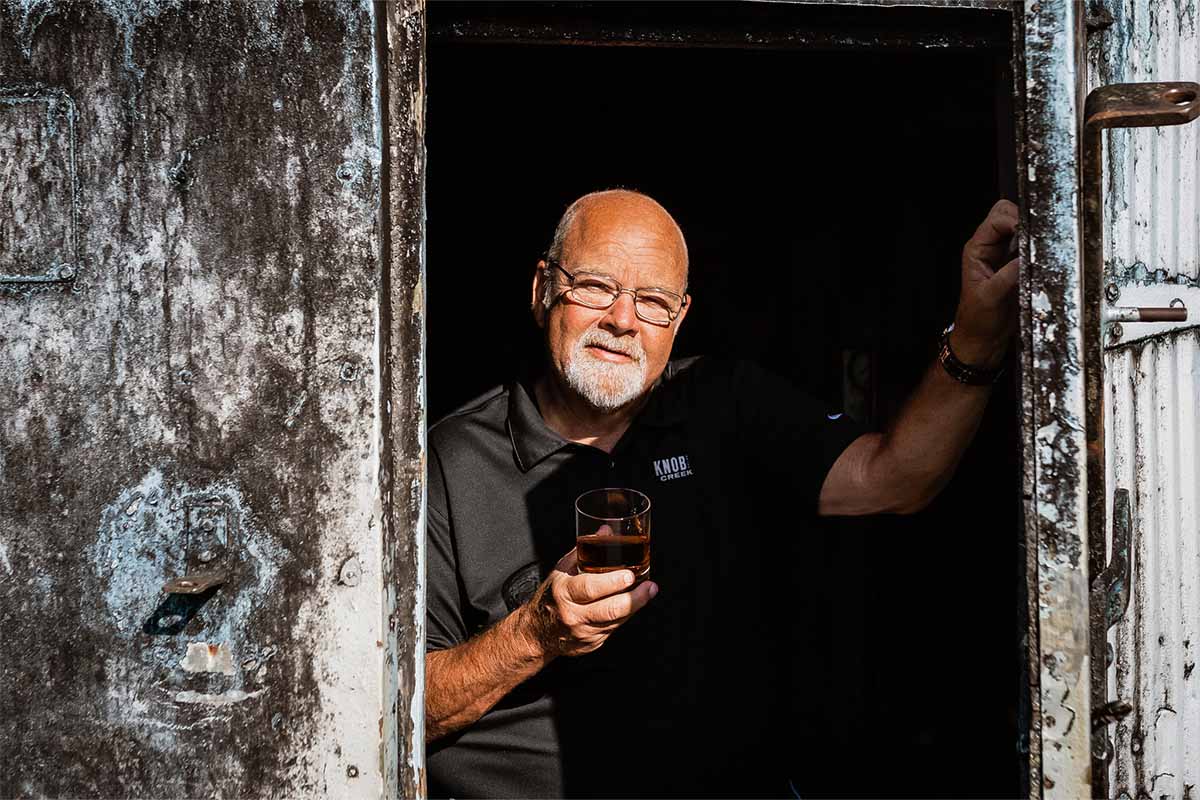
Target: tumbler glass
[612,531]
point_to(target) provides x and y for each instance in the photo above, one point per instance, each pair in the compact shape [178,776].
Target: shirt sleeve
[792,439]
[444,624]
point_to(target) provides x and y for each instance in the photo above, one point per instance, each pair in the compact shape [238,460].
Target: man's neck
[576,420]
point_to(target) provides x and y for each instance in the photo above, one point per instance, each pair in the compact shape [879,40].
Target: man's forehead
[625,235]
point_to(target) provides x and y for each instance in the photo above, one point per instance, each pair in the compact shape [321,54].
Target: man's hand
[987,307]
[574,612]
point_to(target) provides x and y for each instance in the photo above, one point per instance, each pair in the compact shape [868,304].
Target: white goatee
[605,385]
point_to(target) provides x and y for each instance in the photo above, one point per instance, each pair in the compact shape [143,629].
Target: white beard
[605,385]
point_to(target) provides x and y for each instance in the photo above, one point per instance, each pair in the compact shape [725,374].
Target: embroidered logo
[668,469]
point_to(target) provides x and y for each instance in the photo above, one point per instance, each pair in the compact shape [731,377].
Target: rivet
[349,371]
[66,272]
[351,771]
[1115,331]
[347,172]
[185,376]
[1112,292]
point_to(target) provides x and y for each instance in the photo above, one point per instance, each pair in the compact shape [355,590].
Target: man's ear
[541,286]
[683,309]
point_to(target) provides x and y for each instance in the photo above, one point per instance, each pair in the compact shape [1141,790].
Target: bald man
[542,681]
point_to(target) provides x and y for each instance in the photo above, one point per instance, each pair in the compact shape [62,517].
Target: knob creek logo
[668,469]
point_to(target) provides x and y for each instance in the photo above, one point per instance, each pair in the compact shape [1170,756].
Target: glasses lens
[593,292]
[655,307]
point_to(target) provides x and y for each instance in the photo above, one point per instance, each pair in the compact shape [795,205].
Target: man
[544,681]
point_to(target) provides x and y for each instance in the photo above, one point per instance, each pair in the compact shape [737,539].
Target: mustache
[629,347]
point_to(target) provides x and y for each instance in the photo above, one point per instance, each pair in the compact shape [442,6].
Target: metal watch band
[964,373]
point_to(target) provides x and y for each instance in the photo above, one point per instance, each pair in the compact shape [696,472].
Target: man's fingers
[1005,280]
[1000,224]
[569,563]
[588,588]
[612,610]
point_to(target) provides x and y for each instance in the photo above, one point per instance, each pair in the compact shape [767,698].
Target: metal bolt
[208,525]
[351,771]
[347,172]
[1115,331]
[66,272]
[206,556]
[1112,292]
[185,376]
[349,371]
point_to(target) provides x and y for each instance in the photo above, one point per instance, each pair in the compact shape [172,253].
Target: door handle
[1120,105]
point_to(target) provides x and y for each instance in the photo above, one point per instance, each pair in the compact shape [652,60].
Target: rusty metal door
[211,402]
[1053,395]
[1150,744]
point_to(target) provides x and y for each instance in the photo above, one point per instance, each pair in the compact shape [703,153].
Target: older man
[544,681]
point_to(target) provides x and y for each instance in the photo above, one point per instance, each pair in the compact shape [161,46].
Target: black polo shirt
[691,697]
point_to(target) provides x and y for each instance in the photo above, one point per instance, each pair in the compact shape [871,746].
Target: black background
[825,197]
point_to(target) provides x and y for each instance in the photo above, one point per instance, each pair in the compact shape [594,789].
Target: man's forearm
[463,682]
[921,449]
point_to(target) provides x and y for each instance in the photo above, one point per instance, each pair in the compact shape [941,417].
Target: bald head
[619,218]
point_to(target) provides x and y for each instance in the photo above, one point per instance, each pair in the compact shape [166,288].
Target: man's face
[610,357]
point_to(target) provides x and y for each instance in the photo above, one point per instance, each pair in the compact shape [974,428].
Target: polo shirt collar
[533,441]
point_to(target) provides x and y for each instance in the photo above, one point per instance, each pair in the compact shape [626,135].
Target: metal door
[1151,231]
[211,478]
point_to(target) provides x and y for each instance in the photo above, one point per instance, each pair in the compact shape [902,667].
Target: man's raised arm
[903,469]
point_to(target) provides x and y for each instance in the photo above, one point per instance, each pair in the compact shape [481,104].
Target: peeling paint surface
[1053,395]
[208,392]
[1152,390]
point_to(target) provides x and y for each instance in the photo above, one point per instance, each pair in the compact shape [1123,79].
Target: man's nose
[622,316]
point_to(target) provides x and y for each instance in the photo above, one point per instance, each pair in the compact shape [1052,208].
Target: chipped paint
[1057,519]
[205,657]
[221,699]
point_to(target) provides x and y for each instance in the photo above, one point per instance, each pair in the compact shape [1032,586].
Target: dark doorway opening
[826,178]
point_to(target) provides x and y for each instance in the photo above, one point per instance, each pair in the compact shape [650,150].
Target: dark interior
[826,184]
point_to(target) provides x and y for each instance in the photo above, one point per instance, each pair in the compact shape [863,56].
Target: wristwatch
[964,373]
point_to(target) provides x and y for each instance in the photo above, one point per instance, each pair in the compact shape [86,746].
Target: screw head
[1115,331]
[66,272]
[1112,292]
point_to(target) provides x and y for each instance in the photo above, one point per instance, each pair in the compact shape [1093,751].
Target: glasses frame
[552,264]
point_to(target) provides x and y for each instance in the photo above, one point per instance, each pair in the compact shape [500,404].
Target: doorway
[826,166]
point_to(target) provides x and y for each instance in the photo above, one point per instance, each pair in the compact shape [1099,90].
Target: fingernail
[626,578]
[653,589]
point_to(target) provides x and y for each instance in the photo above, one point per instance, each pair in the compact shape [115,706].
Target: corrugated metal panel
[1153,388]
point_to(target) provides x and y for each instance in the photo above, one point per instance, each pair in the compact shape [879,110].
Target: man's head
[611,356]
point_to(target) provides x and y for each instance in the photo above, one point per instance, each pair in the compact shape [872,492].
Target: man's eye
[593,286]
[655,301]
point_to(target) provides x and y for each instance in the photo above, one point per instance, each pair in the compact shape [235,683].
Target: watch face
[520,586]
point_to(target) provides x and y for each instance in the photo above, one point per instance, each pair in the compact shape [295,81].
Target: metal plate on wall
[38,215]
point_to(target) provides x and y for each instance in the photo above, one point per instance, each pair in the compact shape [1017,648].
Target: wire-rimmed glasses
[651,304]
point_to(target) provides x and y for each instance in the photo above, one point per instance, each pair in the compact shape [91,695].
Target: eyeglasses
[656,306]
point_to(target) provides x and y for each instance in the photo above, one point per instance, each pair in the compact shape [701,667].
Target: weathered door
[1151,231]
[211,417]
[1112,383]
